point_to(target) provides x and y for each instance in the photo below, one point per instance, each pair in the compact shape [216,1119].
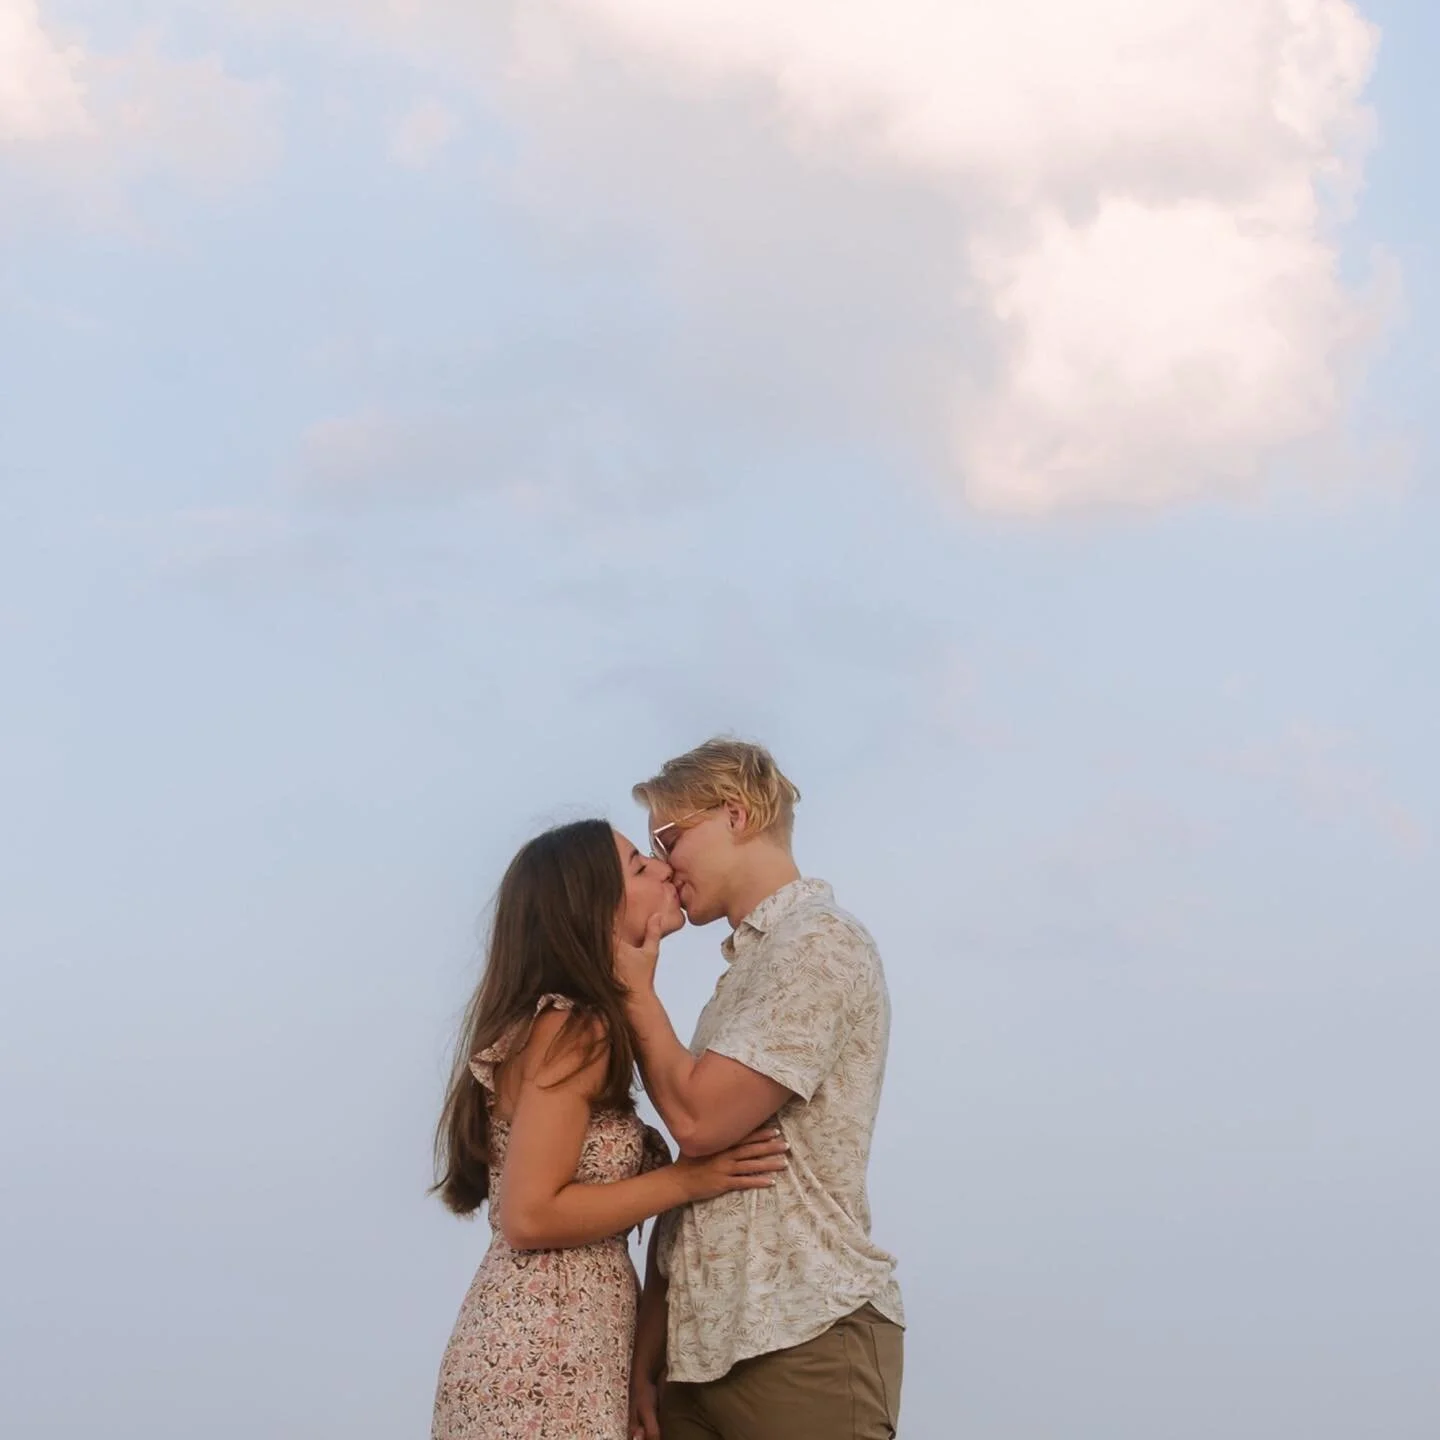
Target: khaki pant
[842,1385]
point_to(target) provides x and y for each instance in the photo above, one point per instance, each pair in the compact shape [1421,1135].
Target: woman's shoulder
[543,1021]
[561,1039]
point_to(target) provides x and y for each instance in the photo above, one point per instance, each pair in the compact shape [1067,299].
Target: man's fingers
[649,1420]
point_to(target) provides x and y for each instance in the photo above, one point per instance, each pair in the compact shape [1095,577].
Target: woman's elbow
[518,1237]
[523,1228]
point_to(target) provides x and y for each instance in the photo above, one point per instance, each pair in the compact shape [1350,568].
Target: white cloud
[1153,352]
[421,133]
[191,119]
[42,94]
[88,123]
[1113,272]
[1039,91]
[1149,191]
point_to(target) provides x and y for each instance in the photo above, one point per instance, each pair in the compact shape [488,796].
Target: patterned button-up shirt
[803,1000]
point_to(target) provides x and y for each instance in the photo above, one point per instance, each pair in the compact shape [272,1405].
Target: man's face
[700,848]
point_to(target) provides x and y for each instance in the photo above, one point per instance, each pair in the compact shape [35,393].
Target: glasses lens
[662,839]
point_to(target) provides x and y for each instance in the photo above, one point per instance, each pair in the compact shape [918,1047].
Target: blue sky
[402,448]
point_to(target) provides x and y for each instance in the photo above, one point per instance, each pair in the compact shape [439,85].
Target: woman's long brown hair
[553,933]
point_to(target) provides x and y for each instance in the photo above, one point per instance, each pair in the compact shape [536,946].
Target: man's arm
[707,1104]
[649,1357]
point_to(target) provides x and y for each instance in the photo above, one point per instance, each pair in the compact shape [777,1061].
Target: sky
[418,421]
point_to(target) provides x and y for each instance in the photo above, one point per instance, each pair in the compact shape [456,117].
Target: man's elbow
[697,1149]
[698,1139]
[690,1139]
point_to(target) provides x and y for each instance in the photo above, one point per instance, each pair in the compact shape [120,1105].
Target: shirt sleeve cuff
[772,1067]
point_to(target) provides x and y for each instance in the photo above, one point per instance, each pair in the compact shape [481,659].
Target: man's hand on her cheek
[635,964]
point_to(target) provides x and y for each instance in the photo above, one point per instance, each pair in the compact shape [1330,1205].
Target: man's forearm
[709,1103]
[650,1320]
[667,1066]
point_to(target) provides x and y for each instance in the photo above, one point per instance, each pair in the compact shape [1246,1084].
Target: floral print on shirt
[804,1001]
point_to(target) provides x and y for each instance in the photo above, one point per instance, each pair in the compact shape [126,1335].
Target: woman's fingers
[753,1150]
[749,1164]
[755,1162]
[768,1131]
[760,1165]
[752,1172]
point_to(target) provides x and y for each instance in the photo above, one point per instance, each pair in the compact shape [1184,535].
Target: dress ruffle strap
[484,1063]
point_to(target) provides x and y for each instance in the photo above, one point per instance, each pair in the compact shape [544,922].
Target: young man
[785,1321]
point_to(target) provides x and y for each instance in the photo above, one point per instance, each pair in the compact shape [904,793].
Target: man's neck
[772,872]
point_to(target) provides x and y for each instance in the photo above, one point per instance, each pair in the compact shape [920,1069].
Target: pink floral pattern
[541,1348]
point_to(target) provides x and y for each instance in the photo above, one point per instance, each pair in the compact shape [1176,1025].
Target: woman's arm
[542,1207]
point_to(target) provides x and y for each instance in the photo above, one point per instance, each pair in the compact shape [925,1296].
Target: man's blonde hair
[724,772]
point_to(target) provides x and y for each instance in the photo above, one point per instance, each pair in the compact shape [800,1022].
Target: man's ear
[738,818]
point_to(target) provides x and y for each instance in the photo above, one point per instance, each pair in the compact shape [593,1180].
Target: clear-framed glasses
[663,839]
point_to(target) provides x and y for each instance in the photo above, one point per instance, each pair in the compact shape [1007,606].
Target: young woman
[539,1120]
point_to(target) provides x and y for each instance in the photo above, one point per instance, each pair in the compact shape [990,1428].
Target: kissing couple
[766,1312]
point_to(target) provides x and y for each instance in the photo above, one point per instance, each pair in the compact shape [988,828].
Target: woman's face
[648,891]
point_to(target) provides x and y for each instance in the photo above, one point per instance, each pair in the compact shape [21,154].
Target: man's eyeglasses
[663,840]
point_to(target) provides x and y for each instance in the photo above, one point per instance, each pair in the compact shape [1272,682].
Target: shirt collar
[771,910]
